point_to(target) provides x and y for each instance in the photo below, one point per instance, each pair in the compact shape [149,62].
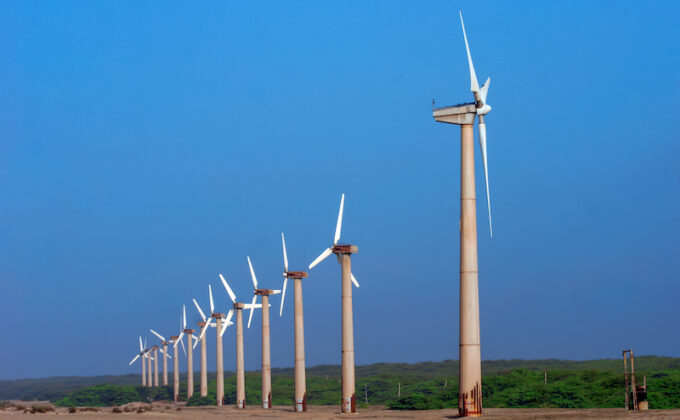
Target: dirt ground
[169,411]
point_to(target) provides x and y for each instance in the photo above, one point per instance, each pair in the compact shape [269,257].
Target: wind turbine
[205,324]
[164,351]
[300,380]
[344,253]
[177,339]
[266,348]
[240,369]
[470,377]
[141,354]
[148,360]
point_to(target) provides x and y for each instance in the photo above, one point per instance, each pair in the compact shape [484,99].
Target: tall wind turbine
[141,354]
[205,324]
[266,348]
[164,351]
[177,339]
[300,379]
[470,379]
[148,360]
[154,349]
[343,253]
[240,369]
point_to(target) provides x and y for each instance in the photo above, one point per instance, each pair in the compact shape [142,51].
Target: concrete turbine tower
[220,328]
[177,339]
[470,379]
[164,352]
[141,354]
[266,348]
[190,354]
[205,324]
[148,360]
[300,379]
[343,253]
[155,365]
[240,369]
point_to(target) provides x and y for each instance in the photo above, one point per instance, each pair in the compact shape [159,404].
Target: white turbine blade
[133,360]
[354,280]
[183,348]
[283,295]
[169,356]
[252,309]
[205,328]
[158,335]
[212,302]
[252,274]
[226,323]
[181,334]
[195,344]
[323,256]
[141,347]
[161,349]
[338,226]
[144,342]
[276,292]
[285,255]
[482,146]
[184,317]
[199,309]
[226,286]
[484,90]
[474,84]
[255,306]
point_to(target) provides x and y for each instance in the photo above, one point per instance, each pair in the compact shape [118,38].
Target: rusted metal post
[625,378]
[632,373]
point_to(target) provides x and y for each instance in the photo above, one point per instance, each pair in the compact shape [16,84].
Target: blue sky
[147,147]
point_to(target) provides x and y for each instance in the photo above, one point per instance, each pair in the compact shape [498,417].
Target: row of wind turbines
[221,321]
[470,374]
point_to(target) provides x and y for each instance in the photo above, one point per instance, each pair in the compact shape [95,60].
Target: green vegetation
[506,383]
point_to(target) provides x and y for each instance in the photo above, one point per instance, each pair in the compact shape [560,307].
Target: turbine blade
[482,146]
[252,274]
[212,302]
[141,347]
[158,335]
[252,309]
[226,323]
[338,226]
[184,317]
[226,286]
[133,360]
[205,328]
[283,295]
[323,256]
[474,85]
[285,255]
[144,342]
[183,348]
[354,280]
[200,311]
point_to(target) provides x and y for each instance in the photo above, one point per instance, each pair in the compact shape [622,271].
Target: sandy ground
[168,411]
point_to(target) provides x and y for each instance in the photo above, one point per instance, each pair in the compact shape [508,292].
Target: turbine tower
[470,379]
[141,354]
[240,369]
[148,360]
[155,365]
[190,354]
[177,339]
[344,252]
[164,351]
[300,379]
[205,324]
[266,348]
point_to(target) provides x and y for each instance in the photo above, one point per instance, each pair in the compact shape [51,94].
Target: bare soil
[170,411]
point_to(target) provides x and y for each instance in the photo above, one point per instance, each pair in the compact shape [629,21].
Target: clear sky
[146,147]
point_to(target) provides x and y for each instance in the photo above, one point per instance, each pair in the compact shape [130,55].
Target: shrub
[417,402]
[72,410]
